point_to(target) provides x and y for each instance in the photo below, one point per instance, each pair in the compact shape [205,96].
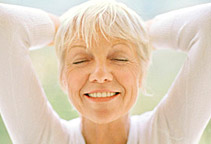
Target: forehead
[102,43]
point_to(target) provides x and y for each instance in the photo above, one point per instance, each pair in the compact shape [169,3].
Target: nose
[100,74]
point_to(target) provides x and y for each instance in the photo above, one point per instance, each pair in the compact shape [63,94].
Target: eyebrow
[120,43]
[74,46]
[122,49]
[115,44]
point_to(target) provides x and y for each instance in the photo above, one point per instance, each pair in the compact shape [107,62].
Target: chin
[103,118]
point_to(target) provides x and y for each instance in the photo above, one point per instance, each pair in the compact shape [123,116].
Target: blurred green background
[165,63]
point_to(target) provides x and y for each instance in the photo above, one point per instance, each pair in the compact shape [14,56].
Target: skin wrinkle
[114,45]
[112,20]
[92,63]
[121,75]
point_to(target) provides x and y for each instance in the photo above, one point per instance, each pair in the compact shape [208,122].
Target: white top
[180,117]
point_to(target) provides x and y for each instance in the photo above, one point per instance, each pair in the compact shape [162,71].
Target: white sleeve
[186,109]
[27,114]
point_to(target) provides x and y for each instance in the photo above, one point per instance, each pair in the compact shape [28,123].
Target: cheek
[128,75]
[75,80]
[128,78]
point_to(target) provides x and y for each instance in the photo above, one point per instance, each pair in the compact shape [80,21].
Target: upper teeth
[104,94]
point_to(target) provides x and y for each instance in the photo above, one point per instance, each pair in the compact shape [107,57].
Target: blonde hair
[112,19]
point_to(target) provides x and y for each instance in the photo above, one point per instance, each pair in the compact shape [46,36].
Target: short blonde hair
[112,19]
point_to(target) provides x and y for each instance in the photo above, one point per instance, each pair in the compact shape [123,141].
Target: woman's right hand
[56,22]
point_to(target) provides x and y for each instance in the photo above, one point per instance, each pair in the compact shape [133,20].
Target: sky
[147,9]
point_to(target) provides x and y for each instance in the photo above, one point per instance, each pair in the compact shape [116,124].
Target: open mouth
[102,94]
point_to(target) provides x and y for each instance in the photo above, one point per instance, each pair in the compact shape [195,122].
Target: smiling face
[91,66]
[105,67]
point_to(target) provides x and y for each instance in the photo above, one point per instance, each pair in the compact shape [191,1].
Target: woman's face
[102,70]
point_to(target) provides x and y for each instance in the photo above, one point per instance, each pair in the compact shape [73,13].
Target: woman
[104,51]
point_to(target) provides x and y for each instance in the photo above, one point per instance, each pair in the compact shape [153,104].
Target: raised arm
[186,109]
[28,116]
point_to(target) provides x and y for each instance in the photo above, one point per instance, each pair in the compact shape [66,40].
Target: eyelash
[79,62]
[123,60]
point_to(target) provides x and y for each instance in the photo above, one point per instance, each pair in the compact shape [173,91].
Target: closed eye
[120,60]
[82,61]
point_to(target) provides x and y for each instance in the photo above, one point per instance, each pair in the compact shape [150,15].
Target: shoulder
[73,124]
[74,129]
[140,121]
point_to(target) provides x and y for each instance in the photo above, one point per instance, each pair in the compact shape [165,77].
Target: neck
[116,131]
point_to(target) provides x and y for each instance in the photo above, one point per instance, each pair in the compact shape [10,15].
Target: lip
[103,90]
[101,99]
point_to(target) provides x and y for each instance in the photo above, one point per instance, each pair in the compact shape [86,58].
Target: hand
[56,22]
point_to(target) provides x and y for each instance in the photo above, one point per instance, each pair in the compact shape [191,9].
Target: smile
[103,94]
